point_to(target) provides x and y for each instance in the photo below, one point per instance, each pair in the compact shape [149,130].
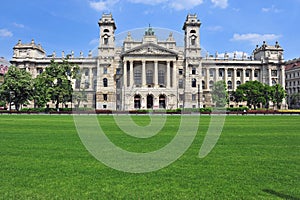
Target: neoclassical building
[156,74]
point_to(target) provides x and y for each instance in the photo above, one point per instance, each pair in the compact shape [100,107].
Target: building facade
[156,74]
[293,83]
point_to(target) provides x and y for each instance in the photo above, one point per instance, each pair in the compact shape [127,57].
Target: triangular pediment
[149,49]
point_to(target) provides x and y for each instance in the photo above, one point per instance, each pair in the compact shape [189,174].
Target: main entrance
[149,101]
[162,101]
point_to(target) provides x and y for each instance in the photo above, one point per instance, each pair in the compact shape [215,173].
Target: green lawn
[256,157]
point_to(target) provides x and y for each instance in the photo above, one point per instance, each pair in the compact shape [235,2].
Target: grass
[256,157]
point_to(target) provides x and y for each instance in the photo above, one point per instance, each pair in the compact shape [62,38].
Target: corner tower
[191,29]
[106,93]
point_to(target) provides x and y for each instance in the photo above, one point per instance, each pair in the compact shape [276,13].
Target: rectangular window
[247,73]
[256,73]
[180,83]
[104,106]
[238,73]
[211,73]
[104,70]
[180,71]
[193,97]
[194,70]
[104,97]
[274,72]
[229,73]
[181,97]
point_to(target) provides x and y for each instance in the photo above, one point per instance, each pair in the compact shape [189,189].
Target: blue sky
[227,25]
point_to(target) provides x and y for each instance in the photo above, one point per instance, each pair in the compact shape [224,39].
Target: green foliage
[79,96]
[17,87]
[41,94]
[58,80]
[219,94]
[277,94]
[238,109]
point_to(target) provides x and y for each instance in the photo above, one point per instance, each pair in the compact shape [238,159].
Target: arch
[106,30]
[105,82]
[229,85]
[192,31]
[203,85]
[137,101]
[149,101]
[162,101]
[238,83]
[194,82]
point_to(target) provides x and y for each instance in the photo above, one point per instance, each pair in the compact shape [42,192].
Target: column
[216,74]
[125,73]
[168,75]
[155,73]
[143,73]
[131,73]
[225,75]
[174,75]
[252,73]
[91,78]
[270,76]
[244,75]
[234,79]
[207,78]
[283,76]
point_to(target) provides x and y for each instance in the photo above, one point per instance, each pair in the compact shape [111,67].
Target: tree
[17,87]
[294,100]
[277,94]
[219,94]
[41,94]
[79,96]
[253,92]
[58,80]
[238,96]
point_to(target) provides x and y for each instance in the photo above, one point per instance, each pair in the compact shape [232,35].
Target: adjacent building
[293,83]
[156,74]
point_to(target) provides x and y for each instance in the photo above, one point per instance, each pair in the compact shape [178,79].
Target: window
[86,72]
[118,71]
[203,72]
[105,82]
[181,97]
[118,83]
[149,77]
[104,106]
[256,73]
[193,40]
[104,70]
[194,82]
[86,84]
[229,85]
[161,77]
[95,84]
[77,83]
[238,83]
[247,73]
[137,77]
[104,97]
[203,85]
[229,73]
[238,73]
[194,70]
[221,73]
[180,71]
[180,83]
[274,72]
[193,97]
[105,40]
[211,72]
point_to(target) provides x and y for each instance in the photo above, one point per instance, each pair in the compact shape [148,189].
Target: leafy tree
[294,100]
[238,96]
[253,92]
[277,93]
[58,80]
[41,94]
[17,87]
[79,96]
[219,94]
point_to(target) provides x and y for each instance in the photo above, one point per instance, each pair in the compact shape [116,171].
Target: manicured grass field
[256,157]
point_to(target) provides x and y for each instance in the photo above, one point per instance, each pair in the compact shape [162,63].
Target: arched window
[229,85]
[106,31]
[162,101]
[105,39]
[193,40]
[194,82]
[192,31]
[105,82]
[238,83]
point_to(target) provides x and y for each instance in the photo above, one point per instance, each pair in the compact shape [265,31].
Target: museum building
[156,74]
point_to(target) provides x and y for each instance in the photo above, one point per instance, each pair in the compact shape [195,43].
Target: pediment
[149,50]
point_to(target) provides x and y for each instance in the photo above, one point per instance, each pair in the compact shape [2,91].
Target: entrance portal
[149,101]
[137,101]
[162,101]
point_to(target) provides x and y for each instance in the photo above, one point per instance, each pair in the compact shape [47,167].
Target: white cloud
[255,38]
[148,2]
[220,3]
[103,5]
[271,9]
[18,25]
[5,33]
[185,5]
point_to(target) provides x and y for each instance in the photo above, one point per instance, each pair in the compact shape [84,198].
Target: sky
[227,25]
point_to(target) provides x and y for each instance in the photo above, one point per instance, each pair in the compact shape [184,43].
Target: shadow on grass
[280,195]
